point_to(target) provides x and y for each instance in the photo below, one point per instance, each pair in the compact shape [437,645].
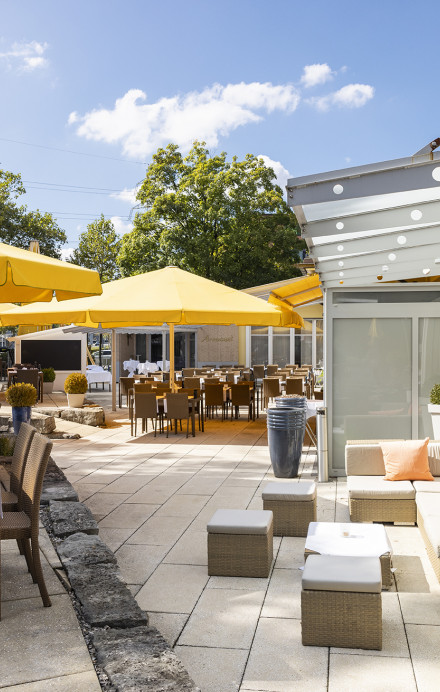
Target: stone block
[42,423]
[71,517]
[84,549]
[105,599]
[93,415]
[140,659]
[62,491]
[50,411]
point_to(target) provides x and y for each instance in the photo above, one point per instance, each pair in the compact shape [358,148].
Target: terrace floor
[153,498]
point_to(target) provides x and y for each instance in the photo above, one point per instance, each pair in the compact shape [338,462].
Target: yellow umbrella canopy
[27,276]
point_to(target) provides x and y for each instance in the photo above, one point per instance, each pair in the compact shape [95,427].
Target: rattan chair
[295,385]
[144,406]
[271,389]
[31,376]
[242,395]
[125,384]
[23,526]
[12,481]
[163,387]
[191,382]
[187,372]
[271,370]
[177,409]
[214,398]
[259,372]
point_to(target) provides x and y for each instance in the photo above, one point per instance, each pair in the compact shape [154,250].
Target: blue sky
[312,86]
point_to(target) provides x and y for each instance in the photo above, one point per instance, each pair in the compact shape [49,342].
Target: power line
[78,187]
[52,189]
[71,151]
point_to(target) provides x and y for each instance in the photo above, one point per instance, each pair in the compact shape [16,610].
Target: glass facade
[259,345]
[429,369]
[278,344]
[281,346]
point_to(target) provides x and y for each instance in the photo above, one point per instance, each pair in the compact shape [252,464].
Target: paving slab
[78,682]
[170,625]
[214,669]
[367,673]
[173,589]
[424,645]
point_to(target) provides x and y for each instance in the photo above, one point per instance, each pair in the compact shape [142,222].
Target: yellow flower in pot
[75,387]
[21,396]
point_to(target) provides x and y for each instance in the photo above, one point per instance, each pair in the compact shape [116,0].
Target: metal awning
[372,224]
[301,291]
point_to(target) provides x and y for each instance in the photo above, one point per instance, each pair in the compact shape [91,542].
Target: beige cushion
[302,491]
[334,573]
[241,521]
[376,488]
[428,505]
[364,460]
[427,486]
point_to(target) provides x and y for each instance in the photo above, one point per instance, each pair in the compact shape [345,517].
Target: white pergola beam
[378,259]
[368,275]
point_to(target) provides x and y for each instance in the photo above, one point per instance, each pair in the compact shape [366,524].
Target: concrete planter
[434,410]
[75,400]
[47,387]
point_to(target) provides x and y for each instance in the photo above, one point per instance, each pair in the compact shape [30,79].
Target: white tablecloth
[131,366]
[160,364]
[145,368]
[364,540]
[98,376]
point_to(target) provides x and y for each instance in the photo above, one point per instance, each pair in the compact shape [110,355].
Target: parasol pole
[114,360]
[171,326]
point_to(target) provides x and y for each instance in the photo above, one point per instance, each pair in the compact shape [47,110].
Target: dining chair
[12,481]
[197,401]
[163,387]
[295,385]
[177,406]
[231,375]
[214,397]
[125,384]
[144,407]
[187,372]
[271,389]
[242,395]
[31,376]
[271,370]
[191,382]
[23,526]
[258,372]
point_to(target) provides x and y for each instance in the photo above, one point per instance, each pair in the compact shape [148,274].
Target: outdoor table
[147,368]
[130,365]
[11,377]
[351,540]
[96,374]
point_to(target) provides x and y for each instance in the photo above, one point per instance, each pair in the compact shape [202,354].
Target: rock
[58,435]
[93,415]
[105,599]
[50,411]
[140,659]
[58,490]
[44,424]
[71,517]
[81,548]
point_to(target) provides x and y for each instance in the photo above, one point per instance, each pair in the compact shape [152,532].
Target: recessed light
[401,240]
[392,257]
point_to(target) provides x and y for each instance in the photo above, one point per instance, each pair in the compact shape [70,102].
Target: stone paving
[152,498]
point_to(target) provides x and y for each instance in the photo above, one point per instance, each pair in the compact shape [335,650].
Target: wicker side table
[293,506]
[341,602]
[240,543]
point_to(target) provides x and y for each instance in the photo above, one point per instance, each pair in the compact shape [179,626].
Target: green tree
[18,226]
[223,220]
[98,249]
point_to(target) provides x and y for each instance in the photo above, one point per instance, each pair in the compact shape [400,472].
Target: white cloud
[26,57]
[126,195]
[350,96]
[281,173]
[206,115]
[316,74]
[121,226]
[66,253]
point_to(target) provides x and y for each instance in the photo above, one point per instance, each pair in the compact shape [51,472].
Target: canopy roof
[27,276]
[374,223]
[301,291]
[168,295]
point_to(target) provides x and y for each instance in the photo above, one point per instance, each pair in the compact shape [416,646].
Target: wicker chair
[271,389]
[187,372]
[259,372]
[12,481]
[163,387]
[191,382]
[177,409]
[214,398]
[23,526]
[30,376]
[125,384]
[295,385]
[271,370]
[242,395]
[144,406]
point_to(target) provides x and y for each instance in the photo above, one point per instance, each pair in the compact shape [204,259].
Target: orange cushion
[406,460]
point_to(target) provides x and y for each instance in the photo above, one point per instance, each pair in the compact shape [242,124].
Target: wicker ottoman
[341,602]
[240,543]
[293,506]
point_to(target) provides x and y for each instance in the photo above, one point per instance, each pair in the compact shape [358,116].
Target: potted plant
[75,387]
[434,410]
[21,397]
[48,380]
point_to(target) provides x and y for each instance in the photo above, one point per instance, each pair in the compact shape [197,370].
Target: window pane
[429,370]
[319,344]
[281,349]
[371,381]
[259,350]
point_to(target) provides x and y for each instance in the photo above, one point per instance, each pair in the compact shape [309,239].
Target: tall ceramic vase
[20,414]
[75,400]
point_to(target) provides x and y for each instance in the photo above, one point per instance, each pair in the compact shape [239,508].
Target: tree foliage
[98,249]
[18,226]
[223,220]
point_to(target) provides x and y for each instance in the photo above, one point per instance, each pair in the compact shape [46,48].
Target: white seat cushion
[335,573]
[241,521]
[377,488]
[428,505]
[302,491]
[427,486]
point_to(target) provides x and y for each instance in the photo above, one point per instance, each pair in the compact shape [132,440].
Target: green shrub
[21,394]
[435,394]
[75,383]
[48,375]
[6,447]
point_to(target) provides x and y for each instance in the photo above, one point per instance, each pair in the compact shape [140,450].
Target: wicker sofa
[371,498]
